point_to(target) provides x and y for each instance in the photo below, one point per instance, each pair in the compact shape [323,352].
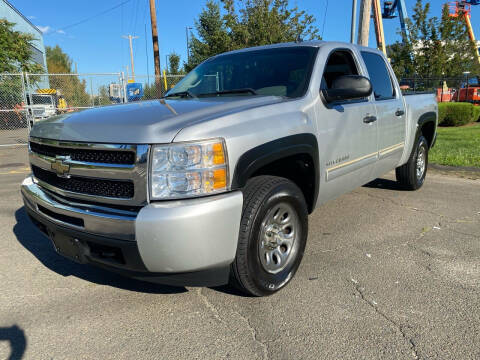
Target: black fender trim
[262,155]
[429,117]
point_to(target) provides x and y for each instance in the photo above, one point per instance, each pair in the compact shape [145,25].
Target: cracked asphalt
[387,274]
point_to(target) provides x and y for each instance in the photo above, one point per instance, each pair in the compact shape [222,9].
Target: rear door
[391,115]
[347,138]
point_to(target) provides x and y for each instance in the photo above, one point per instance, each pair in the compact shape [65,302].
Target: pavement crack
[209,305]
[361,292]
[254,333]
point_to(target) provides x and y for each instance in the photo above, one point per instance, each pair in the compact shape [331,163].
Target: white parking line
[5,145]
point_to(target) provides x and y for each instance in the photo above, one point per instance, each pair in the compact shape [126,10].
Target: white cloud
[61,32]
[31,17]
[44,29]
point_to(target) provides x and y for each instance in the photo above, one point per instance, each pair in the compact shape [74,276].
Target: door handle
[399,112]
[369,119]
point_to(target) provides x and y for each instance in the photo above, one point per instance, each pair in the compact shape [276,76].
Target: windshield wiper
[182,94]
[233,91]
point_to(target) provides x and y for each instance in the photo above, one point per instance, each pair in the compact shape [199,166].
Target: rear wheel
[273,234]
[412,174]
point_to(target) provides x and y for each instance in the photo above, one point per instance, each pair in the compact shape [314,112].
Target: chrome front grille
[85,185]
[103,173]
[86,155]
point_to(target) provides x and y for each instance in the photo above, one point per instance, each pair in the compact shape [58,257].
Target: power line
[143,17]
[94,16]
[133,22]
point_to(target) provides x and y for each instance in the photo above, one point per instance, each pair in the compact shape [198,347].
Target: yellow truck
[47,102]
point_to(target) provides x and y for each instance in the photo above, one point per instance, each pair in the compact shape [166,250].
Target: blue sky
[97,45]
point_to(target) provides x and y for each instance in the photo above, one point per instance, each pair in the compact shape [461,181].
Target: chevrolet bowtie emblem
[60,167]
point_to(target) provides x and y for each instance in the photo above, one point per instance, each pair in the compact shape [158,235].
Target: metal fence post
[25,102]
[124,87]
[28,104]
[91,93]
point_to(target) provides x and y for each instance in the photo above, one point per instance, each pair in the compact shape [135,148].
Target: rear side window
[379,76]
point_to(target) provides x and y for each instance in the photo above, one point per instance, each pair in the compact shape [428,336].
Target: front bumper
[184,242]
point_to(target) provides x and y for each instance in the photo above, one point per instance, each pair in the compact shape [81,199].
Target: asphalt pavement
[387,274]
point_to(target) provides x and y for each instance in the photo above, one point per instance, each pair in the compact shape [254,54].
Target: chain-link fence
[451,89]
[26,98]
[13,112]
[150,84]
[52,94]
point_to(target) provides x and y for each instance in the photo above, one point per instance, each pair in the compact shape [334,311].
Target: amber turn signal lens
[218,154]
[219,178]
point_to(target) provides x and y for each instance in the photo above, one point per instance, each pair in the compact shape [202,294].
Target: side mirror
[348,87]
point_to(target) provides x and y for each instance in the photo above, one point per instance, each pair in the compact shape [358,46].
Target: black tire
[407,174]
[262,195]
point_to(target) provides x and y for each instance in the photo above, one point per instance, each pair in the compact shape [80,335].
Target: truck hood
[143,122]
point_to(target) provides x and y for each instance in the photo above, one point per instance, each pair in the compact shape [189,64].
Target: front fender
[260,156]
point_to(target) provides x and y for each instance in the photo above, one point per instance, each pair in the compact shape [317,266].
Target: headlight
[188,169]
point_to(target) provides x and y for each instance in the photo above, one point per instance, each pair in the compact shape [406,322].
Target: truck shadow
[17,339]
[40,246]
[384,184]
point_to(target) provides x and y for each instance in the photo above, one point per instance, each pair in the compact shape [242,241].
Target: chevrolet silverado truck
[213,183]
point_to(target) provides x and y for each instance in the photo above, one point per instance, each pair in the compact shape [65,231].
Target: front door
[390,112]
[347,133]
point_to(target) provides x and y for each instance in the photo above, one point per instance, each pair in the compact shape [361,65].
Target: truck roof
[310,43]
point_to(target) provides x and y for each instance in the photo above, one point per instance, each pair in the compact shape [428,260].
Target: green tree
[70,86]
[213,36]
[173,63]
[435,48]
[103,97]
[16,50]
[15,56]
[256,22]
[459,53]
[149,91]
[57,61]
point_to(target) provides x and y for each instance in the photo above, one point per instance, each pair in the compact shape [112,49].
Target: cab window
[339,63]
[379,76]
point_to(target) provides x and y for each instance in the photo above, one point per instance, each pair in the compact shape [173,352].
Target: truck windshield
[42,100]
[278,71]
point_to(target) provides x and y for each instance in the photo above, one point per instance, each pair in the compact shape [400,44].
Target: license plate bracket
[68,246]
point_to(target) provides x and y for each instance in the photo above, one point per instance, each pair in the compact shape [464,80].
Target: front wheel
[412,174]
[273,234]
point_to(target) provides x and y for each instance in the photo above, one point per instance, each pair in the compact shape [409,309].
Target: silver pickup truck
[213,183]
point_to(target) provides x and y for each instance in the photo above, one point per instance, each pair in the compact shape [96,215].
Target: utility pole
[156,51]
[354,21]
[364,26]
[130,38]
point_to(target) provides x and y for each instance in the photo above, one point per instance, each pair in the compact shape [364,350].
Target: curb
[468,169]
[467,172]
